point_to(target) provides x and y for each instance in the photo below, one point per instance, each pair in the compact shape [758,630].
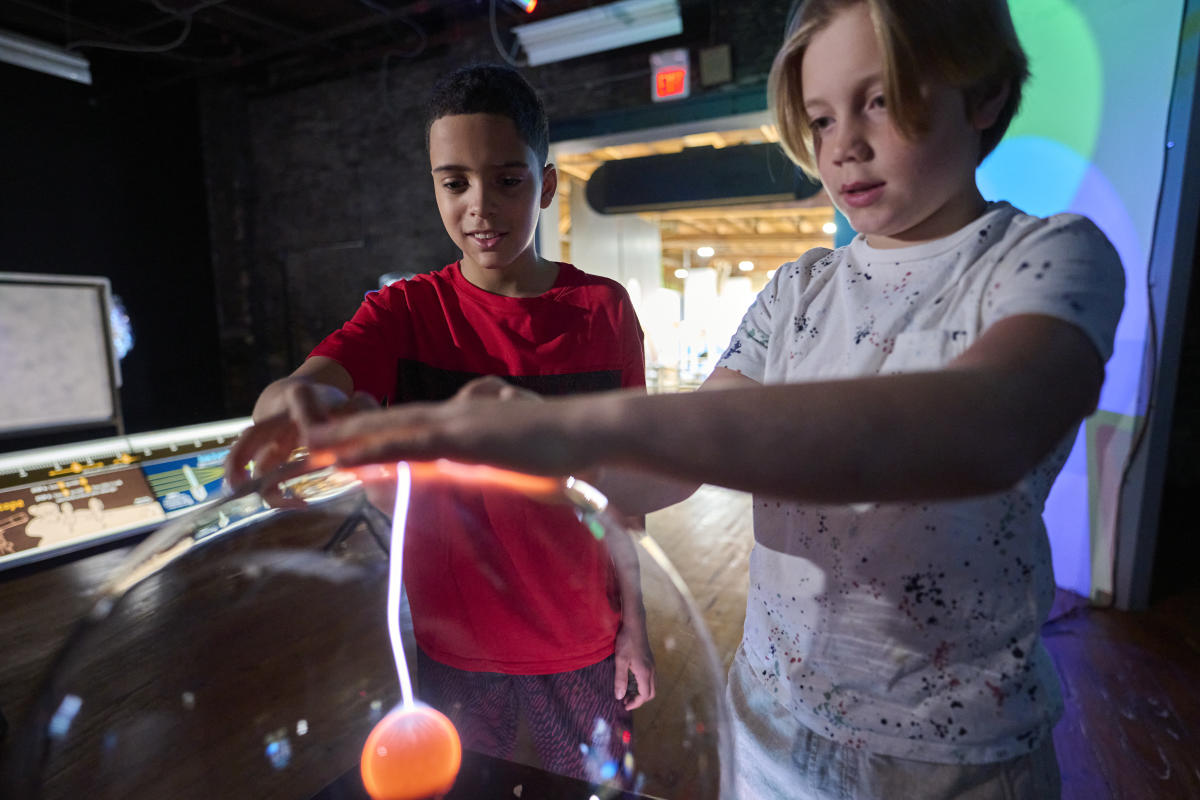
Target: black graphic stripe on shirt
[416,381]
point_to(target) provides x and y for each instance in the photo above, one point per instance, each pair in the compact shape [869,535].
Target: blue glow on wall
[1089,139]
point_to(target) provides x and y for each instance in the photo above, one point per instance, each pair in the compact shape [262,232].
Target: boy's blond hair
[969,44]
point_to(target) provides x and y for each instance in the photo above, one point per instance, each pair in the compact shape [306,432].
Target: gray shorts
[777,757]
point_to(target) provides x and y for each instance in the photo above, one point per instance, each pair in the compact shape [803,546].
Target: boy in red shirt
[518,618]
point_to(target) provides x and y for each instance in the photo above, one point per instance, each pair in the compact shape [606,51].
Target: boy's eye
[454,185]
[509,180]
[821,123]
[878,101]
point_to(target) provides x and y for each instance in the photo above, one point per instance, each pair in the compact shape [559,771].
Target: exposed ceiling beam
[369,21]
[71,22]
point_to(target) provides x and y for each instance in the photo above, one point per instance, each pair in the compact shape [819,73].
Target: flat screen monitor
[58,370]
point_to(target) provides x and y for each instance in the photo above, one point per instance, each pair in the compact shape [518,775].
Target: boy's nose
[849,145]
[480,201]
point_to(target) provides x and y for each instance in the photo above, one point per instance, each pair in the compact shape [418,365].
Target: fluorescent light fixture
[745,266]
[681,273]
[595,30]
[705,251]
[32,54]
[830,228]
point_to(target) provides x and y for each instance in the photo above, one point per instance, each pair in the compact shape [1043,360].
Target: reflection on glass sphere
[243,651]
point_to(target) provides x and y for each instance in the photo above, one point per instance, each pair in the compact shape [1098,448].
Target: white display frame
[59,365]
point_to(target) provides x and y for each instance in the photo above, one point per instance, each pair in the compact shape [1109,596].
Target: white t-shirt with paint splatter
[911,629]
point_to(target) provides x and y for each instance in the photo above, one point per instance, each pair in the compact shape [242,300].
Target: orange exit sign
[669,72]
[670,82]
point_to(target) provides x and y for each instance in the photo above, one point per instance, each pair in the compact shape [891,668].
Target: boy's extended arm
[974,427]
[639,491]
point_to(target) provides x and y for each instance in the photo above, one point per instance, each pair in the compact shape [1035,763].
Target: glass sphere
[265,646]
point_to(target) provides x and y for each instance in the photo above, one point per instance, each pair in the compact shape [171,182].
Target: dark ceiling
[267,42]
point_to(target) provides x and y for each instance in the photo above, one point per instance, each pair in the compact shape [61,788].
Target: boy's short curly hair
[969,44]
[491,89]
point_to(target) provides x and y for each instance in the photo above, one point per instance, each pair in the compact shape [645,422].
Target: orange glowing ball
[412,754]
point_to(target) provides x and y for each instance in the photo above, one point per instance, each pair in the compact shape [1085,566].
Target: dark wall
[318,190]
[1178,547]
[95,183]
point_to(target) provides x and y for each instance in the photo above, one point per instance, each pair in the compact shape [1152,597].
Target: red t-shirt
[495,583]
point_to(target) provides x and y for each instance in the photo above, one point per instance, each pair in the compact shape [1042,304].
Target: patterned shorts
[575,725]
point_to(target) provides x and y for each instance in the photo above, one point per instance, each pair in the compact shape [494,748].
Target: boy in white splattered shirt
[899,407]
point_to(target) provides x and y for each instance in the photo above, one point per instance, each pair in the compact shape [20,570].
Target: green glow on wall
[1063,100]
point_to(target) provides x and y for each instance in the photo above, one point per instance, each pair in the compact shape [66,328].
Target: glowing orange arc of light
[533,486]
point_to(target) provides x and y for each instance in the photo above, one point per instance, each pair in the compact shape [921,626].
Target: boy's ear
[549,184]
[985,103]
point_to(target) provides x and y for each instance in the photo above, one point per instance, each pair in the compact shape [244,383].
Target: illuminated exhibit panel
[61,499]
[262,645]
[185,466]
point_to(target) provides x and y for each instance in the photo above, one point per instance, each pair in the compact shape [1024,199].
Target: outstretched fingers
[373,436]
[511,435]
[259,449]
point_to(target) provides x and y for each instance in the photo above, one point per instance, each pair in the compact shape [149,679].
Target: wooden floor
[1131,681]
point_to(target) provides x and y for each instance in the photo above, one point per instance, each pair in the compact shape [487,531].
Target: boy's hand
[496,388]
[633,655]
[269,444]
